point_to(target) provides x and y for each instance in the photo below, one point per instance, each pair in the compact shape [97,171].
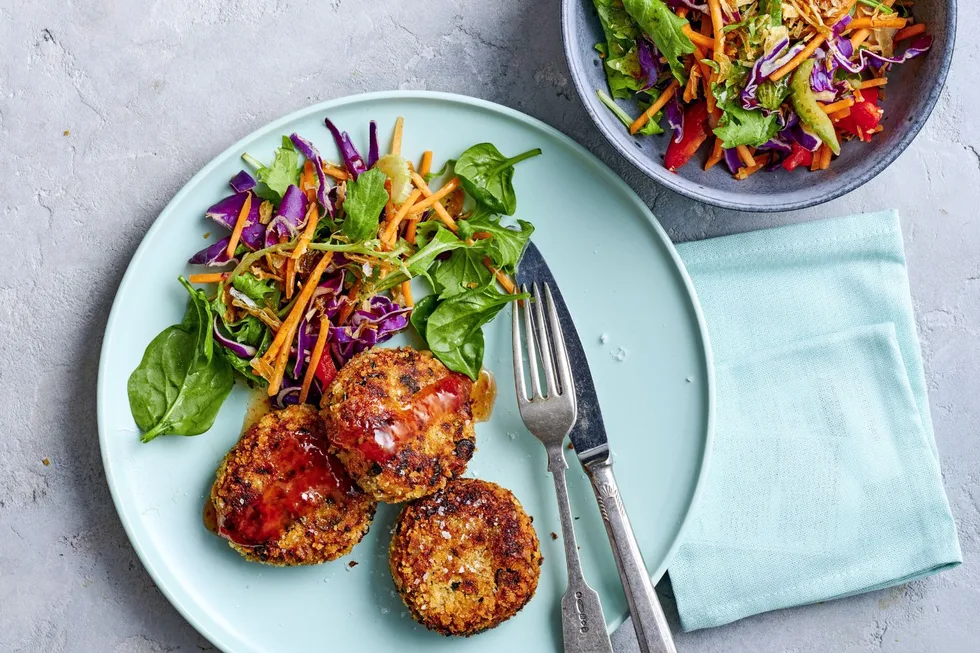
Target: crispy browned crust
[466,558]
[380,380]
[324,532]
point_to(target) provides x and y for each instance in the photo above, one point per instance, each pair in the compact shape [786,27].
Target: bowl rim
[744,201]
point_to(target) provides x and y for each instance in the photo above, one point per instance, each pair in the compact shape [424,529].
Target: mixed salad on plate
[318,266]
[776,83]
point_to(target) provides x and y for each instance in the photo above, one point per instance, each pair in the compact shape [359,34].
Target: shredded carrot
[210,277]
[859,37]
[307,181]
[315,356]
[681,12]
[430,197]
[502,278]
[718,26]
[691,88]
[425,166]
[406,290]
[439,209]
[337,173]
[391,227]
[840,115]
[793,63]
[909,32]
[236,234]
[706,74]
[305,238]
[876,22]
[834,107]
[717,153]
[745,173]
[348,307]
[290,277]
[821,158]
[698,39]
[817,158]
[396,139]
[846,9]
[871,83]
[745,156]
[291,323]
[410,230]
[655,107]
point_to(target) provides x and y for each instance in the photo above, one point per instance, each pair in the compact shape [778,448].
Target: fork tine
[532,353]
[561,352]
[518,354]
[543,343]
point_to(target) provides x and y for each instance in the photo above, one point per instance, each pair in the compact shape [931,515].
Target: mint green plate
[623,283]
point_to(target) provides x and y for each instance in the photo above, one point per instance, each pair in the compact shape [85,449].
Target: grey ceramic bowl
[913,90]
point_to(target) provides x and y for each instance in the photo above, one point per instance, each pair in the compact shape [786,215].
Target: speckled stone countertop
[108,108]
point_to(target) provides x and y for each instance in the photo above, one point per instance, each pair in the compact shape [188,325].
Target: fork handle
[582,623]
[652,630]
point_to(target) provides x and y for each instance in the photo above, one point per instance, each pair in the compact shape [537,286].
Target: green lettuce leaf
[663,27]
[366,199]
[275,179]
[739,126]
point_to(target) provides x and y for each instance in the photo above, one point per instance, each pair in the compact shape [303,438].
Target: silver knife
[588,436]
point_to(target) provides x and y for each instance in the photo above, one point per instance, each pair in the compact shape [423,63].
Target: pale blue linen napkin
[823,480]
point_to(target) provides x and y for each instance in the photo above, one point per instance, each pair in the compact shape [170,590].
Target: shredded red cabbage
[237,348]
[373,146]
[732,160]
[242,182]
[226,213]
[352,158]
[674,113]
[367,327]
[289,217]
[313,155]
[214,255]
[649,59]
[690,4]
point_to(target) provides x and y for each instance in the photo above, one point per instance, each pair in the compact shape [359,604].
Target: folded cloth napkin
[823,479]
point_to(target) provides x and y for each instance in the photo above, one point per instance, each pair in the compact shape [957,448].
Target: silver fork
[550,417]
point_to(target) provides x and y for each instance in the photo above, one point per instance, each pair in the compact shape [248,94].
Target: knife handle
[652,631]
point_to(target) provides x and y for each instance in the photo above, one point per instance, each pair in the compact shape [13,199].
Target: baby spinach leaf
[450,328]
[366,199]
[179,385]
[487,176]
[505,245]
[421,311]
[467,358]
[463,271]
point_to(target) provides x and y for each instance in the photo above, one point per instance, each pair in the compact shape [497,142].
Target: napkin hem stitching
[792,245]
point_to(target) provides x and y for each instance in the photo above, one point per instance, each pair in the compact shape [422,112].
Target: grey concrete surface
[107,108]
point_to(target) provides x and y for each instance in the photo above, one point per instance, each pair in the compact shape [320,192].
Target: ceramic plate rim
[188,611]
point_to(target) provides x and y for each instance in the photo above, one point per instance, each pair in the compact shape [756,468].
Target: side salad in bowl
[766,83]
[318,265]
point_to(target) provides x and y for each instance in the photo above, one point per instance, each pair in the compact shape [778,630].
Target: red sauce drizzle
[379,436]
[303,475]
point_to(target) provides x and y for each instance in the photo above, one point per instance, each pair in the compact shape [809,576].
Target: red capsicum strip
[695,133]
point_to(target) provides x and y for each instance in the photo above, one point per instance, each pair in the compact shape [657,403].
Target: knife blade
[588,436]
